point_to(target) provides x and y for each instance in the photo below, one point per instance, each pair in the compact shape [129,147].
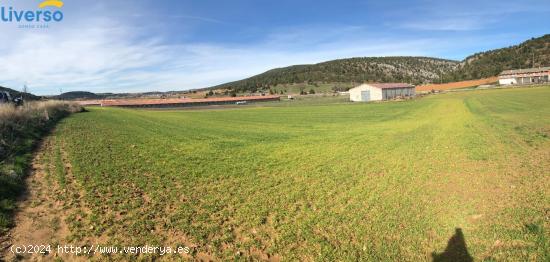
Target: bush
[20,128]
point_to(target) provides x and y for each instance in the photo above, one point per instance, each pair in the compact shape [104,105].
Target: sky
[148,45]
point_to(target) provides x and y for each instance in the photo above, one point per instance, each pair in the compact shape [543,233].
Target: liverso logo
[11,14]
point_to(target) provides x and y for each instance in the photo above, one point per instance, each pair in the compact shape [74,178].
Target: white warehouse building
[525,76]
[377,92]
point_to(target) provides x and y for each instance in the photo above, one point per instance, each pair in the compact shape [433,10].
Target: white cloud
[82,56]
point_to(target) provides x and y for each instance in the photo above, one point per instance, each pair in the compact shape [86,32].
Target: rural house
[524,76]
[377,91]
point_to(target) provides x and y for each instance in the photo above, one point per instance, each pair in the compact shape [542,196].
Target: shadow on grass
[456,250]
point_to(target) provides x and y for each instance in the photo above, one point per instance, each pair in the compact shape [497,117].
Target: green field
[339,181]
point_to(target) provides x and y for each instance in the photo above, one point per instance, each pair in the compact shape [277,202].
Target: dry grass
[18,124]
[31,110]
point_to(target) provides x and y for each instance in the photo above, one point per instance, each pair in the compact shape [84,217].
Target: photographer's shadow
[456,250]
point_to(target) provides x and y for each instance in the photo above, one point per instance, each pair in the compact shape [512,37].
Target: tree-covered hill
[531,53]
[376,69]
[415,70]
[79,95]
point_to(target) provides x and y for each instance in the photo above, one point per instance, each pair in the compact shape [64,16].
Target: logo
[44,14]
[55,3]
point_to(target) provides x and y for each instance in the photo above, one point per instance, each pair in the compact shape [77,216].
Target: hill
[14,93]
[532,53]
[84,95]
[415,70]
[377,69]
[79,95]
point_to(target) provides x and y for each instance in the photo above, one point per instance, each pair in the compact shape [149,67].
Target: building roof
[390,85]
[138,102]
[383,86]
[525,71]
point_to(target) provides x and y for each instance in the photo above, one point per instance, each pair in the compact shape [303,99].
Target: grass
[308,181]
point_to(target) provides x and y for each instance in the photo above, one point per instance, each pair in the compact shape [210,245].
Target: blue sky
[135,46]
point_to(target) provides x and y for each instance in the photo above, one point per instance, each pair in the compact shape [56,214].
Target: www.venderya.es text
[98,250]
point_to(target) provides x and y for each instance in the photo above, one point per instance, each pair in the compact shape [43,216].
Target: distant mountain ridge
[85,95]
[415,70]
[361,69]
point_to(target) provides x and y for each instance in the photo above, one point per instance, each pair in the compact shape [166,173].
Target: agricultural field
[457,175]
[458,85]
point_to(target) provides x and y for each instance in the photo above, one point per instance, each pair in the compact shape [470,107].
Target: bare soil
[41,217]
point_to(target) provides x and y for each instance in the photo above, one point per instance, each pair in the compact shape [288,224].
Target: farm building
[180,102]
[376,92]
[524,76]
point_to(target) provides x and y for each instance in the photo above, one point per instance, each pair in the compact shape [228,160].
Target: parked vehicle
[6,98]
[18,101]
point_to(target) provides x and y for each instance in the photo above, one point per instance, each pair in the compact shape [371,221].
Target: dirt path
[40,218]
